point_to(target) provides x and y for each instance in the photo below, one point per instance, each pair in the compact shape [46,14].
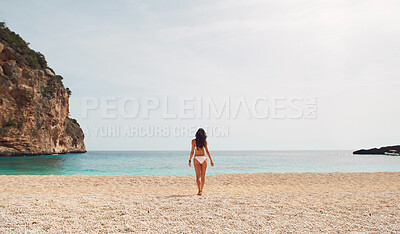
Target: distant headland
[388,150]
[34,104]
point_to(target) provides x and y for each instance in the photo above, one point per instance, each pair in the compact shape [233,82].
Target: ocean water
[176,163]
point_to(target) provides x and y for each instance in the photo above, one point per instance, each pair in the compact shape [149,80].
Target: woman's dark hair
[201,137]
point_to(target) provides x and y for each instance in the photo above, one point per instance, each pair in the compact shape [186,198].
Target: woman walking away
[199,148]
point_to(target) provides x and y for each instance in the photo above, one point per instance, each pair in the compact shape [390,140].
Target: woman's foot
[199,193]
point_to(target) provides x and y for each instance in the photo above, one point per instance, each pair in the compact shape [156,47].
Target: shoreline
[266,202]
[10,154]
[207,175]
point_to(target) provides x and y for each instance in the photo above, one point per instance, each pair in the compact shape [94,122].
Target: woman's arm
[191,154]
[208,153]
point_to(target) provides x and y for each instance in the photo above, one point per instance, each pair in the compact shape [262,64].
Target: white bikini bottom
[201,159]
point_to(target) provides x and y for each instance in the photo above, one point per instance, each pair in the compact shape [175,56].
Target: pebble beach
[262,202]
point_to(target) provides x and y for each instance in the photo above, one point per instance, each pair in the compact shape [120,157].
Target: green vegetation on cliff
[13,40]
[34,59]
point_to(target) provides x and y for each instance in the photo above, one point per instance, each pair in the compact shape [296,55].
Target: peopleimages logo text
[200,107]
[142,130]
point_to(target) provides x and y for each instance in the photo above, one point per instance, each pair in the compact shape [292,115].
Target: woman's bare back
[198,151]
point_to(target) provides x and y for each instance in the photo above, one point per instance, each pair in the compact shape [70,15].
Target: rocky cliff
[381,150]
[34,104]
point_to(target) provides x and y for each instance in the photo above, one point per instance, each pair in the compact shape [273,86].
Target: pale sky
[344,53]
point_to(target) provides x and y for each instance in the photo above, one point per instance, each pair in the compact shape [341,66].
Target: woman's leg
[203,175]
[197,168]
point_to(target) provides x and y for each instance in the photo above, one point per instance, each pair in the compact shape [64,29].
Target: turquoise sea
[175,163]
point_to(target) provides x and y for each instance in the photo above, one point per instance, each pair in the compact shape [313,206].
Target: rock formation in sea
[34,104]
[381,150]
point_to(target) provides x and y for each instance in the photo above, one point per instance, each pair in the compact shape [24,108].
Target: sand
[265,202]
